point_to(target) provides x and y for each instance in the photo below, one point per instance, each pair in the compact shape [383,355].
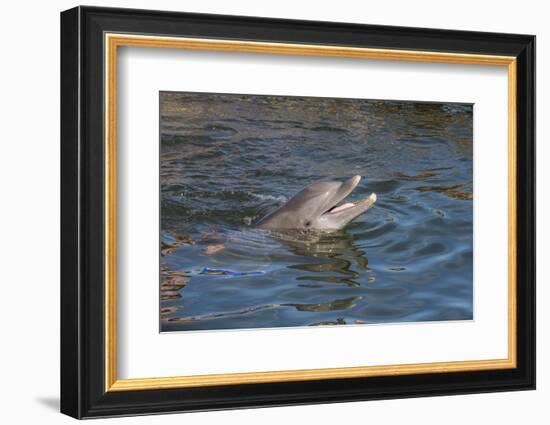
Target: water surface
[227,160]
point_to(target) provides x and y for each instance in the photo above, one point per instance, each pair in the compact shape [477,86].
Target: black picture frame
[83,392]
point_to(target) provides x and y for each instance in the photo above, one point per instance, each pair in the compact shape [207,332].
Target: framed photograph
[261,212]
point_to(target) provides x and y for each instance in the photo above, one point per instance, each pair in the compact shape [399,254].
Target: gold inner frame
[113,41]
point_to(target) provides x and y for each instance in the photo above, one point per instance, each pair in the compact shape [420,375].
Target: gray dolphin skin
[317,208]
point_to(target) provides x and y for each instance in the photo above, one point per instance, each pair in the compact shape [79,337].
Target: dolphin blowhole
[319,206]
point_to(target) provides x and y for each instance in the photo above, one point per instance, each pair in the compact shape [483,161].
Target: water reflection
[335,254]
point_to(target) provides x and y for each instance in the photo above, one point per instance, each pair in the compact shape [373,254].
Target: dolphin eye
[308,223]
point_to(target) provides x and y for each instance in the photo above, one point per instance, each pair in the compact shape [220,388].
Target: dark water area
[227,160]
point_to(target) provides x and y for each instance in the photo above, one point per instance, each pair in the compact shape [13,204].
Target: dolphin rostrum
[316,207]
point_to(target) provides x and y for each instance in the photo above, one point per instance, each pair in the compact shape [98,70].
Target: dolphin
[316,208]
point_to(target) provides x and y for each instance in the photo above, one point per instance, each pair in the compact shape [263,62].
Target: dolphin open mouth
[349,206]
[339,207]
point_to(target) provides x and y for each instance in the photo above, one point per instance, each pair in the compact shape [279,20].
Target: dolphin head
[319,207]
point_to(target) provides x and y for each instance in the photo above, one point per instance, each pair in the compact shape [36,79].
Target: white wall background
[29,214]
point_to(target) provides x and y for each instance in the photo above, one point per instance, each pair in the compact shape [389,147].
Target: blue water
[227,160]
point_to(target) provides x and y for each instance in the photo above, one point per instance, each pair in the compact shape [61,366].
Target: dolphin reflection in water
[319,207]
